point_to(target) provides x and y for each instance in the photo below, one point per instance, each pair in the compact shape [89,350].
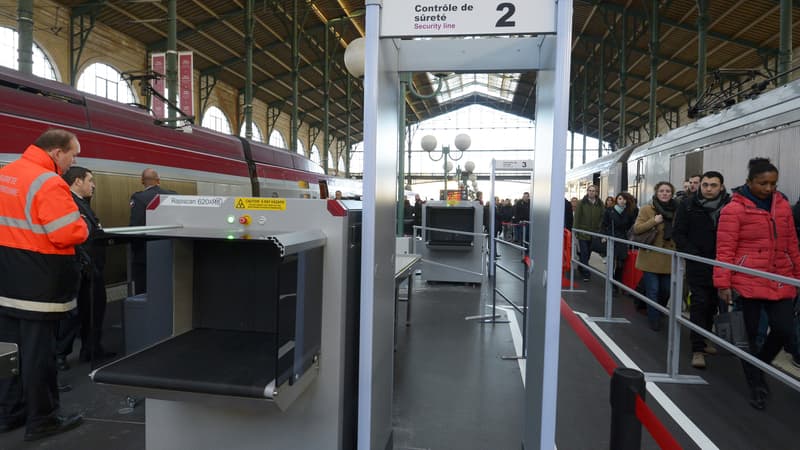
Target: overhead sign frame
[430,18]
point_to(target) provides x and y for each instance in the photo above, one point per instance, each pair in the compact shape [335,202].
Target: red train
[118,141]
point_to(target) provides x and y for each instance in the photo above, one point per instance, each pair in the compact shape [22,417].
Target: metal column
[654,35]
[25,33]
[172,61]
[326,101]
[349,135]
[585,107]
[702,34]
[601,87]
[401,147]
[295,78]
[623,77]
[248,71]
[785,50]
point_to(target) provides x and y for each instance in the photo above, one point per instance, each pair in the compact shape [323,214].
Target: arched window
[300,149]
[276,139]
[257,136]
[315,154]
[333,166]
[9,39]
[215,119]
[105,81]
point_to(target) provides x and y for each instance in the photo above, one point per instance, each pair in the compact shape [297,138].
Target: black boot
[758,398]
[762,384]
[758,388]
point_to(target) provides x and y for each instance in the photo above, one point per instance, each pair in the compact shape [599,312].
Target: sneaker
[698,360]
[796,360]
[709,349]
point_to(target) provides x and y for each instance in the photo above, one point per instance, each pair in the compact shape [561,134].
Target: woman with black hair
[617,220]
[657,266]
[756,230]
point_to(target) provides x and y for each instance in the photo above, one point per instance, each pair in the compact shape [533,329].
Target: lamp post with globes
[462,143]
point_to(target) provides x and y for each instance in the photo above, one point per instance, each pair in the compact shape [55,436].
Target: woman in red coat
[756,230]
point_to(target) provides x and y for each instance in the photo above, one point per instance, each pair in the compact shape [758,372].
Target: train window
[276,139]
[215,119]
[105,81]
[257,136]
[300,148]
[315,154]
[42,66]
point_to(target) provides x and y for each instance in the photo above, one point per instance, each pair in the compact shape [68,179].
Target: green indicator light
[231,237]
[231,219]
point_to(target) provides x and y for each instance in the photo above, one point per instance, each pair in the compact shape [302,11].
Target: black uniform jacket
[140,200]
[695,232]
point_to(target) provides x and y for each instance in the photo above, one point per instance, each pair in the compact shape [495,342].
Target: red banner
[158,65]
[186,80]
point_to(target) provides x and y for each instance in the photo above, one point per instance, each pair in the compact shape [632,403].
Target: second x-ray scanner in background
[452,241]
[262,295]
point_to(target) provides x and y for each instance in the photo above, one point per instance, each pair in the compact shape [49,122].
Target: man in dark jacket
[139,202]
[588,216]
[92,292]
[39,229]
[522,213]
[695,232]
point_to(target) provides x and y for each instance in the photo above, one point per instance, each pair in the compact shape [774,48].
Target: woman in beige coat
[657,266]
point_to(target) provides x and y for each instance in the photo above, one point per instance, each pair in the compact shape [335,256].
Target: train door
[677,171]
[604,188]
[636,178]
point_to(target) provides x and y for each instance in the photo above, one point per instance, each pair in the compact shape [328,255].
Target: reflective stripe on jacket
[39,228]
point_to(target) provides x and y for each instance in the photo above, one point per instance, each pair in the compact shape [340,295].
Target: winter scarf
[713,206]
[667,211]
[766,204]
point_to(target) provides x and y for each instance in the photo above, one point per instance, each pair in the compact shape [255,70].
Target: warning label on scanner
[260,203]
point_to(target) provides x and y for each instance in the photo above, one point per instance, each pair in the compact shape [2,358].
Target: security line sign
[409,18]
[513,164]
[260,203]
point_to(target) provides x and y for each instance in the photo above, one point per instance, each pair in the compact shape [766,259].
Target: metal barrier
[419,237]
[675,320]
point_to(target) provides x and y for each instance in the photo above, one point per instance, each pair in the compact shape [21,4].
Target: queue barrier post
[626,430]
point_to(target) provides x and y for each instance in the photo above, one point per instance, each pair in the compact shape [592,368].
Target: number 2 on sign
[509,11]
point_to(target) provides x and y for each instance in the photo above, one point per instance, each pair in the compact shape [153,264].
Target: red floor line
[643,412]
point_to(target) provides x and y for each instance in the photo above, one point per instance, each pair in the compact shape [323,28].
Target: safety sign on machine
[260,203]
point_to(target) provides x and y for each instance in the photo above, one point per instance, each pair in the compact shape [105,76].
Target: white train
[768,126]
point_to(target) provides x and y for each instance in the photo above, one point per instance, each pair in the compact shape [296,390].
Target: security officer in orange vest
[40,226]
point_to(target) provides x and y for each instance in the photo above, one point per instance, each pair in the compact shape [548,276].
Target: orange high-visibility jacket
[39,228]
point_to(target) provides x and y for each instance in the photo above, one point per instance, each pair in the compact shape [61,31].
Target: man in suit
[92,292]
[139,202]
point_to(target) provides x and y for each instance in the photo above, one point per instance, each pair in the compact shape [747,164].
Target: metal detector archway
[542,32]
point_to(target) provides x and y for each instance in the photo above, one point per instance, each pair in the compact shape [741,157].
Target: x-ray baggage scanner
[263,297]
[452,241]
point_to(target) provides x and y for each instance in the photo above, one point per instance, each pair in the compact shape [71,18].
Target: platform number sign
[416,18]
[505,21]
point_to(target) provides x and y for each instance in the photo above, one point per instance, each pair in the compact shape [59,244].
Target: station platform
[454,390]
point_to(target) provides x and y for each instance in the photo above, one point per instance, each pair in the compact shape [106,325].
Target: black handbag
[729,325]
[598,246]
[647,238]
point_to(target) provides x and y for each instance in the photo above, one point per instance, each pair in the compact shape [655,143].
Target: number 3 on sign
[504,20]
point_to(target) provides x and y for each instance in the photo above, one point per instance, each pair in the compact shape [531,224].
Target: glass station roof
[499,85]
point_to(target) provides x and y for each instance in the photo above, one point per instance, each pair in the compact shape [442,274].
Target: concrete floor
[454,391]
